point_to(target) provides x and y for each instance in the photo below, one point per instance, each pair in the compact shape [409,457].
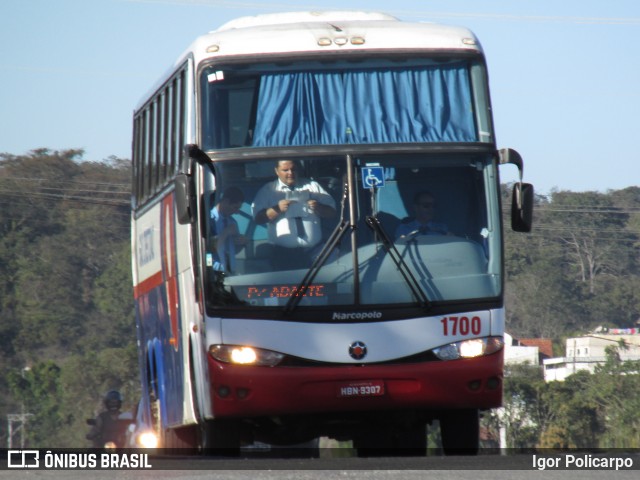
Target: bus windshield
[332,102]
[401,229]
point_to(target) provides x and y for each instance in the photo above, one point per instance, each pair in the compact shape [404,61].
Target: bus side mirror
[522,198]
[522,207]
[184,199]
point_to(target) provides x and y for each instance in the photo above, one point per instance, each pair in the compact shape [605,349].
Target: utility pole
[19,420]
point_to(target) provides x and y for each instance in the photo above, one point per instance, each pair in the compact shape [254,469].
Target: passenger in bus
[424,206]
[291,206]
[227,241]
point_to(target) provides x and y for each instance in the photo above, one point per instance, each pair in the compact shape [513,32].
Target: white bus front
[389,320]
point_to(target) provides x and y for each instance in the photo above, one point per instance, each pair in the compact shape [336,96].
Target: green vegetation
[579,268]
[67,330]
[586,411]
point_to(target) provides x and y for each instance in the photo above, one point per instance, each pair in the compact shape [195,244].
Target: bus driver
[292,207]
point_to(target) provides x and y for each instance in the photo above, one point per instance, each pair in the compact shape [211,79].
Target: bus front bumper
[251,391]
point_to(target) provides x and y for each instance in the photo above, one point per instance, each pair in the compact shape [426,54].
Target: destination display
[280,294]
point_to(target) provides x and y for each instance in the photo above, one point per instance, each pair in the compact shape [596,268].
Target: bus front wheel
[460,432]
[221,437]
[392,441]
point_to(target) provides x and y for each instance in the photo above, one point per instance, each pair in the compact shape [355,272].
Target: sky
[564,74]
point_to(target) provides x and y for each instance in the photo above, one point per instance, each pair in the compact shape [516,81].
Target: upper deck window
[330,104]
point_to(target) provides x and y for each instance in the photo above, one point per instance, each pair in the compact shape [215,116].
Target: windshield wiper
[403,268]
[317,264]
[333,241]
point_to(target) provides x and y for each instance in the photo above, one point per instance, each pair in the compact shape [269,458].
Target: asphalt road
[489,467]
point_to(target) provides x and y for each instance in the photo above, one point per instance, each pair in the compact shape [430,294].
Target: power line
[121,198]
[65,197]
[507,17]
[72,182]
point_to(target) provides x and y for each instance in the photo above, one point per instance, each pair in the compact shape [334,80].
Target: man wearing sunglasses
[424,205]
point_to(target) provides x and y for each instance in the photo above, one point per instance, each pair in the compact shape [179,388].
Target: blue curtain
[430,104]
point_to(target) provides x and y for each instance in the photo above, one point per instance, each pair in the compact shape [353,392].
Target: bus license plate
[374,388]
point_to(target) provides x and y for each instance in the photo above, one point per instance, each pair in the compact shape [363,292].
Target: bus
[366,306]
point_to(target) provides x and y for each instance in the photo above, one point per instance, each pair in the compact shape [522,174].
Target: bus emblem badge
[358,350]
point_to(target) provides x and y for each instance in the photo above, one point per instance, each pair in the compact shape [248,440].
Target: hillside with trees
[67,330]
[579,268]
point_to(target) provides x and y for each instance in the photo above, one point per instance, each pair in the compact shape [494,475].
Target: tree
[113,300]
[50,310]
[615,391]
[65,290]
[574,422]
[38,389]
[86,379]
[578,268]
[522,413]
[585,223]
[595,410]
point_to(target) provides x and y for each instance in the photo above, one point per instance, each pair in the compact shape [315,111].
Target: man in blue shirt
[424,204]
[224,230]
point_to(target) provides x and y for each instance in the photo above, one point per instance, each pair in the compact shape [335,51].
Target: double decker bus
[366,323]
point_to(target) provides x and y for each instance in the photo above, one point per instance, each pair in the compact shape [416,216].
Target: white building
[526,350]
[584,353]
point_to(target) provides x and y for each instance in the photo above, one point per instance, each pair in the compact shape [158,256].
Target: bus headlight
[243,355]
[147,440]
[474,347]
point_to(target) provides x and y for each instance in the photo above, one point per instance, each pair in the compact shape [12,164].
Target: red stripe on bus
[147,285]
[169,264]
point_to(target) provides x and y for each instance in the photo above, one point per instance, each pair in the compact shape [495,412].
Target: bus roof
[318,32]
[298,17]
[282,33]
